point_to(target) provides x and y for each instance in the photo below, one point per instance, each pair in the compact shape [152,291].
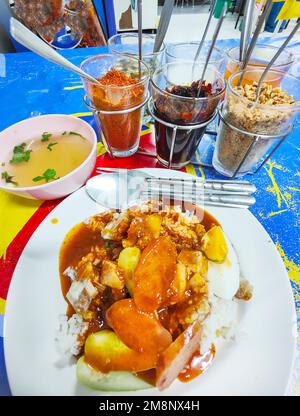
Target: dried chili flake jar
[118,100]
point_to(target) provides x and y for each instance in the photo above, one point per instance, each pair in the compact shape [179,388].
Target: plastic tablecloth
[31,86]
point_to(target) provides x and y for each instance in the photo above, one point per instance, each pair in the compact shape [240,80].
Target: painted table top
[31,86]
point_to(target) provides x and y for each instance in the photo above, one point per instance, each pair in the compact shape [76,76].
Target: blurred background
[67,24]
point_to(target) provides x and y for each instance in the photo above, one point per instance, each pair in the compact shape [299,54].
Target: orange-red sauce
[78,243]
[149,376]
[197,365]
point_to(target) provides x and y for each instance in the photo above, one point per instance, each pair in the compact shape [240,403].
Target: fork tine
[177,180]
[207,185]
[196,179]
[221,200]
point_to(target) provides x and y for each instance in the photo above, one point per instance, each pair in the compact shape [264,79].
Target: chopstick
[163,25]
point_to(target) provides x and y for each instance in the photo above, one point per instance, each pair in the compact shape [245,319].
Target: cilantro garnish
[50,145]
[20,154]
[74,134]
[8,178]
[47,176]
[45,137]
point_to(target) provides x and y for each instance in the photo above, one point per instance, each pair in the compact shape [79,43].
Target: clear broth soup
[44,159]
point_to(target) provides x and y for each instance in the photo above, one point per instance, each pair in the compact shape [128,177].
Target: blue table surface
[30,86]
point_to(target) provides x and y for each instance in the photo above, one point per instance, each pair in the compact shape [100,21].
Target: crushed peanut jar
[273,114]
[268,94]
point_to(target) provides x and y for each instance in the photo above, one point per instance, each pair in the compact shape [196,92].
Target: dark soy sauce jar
[176,106]
[186,143]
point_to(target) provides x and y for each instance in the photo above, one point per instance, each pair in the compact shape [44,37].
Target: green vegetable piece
[47,176]
[19,148]
[74,133]
[46,136]
[20,154]
[8,178]
[38,178]
[50,145]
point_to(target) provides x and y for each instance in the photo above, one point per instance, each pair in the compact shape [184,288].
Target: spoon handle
[163,25]
[31,41]
[140,29]
[212,8]
[246,29]
[277,54]
[261,20]
[212,44]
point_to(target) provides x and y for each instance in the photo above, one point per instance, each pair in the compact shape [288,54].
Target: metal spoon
[261,20]
[31,41]
[163,25]
[140,28]
[140,33]
[213,42]
[205,31]
[246,29]
[280,50]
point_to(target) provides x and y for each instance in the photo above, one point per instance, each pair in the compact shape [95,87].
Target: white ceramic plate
[258,363]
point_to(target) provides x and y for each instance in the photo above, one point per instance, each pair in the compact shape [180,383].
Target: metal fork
[117,188]
[209,185]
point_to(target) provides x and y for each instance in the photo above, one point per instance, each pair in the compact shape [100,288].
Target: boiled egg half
[224,278]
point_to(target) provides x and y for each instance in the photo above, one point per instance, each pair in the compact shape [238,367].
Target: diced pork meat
[80,295]
[117,227]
